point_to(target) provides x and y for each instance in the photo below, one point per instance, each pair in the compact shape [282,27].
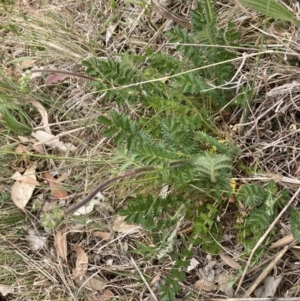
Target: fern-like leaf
[211,166]
[252,195]
[295,222]
[259,220]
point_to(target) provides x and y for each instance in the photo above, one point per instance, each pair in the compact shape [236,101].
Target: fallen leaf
[106,295]
[36,241]
[193,264]
[34,144]
[169,25]
[24,139]
[164,191]
[25,179]
[224,285]
[88,208]
[205,285]
[27,63]
[208,271]
[54,78]
[110,30]
[60,242]
[38,147]
[286,240]
[19,169]
[52,141]
[102,235]
[156,278]
[62,178]
[21,192]
[57,190]
[229,261]
[5,290]
[81,263]
[268,290]
[296,252]
[43,113]
[121,226]
[94,282]
[21,149]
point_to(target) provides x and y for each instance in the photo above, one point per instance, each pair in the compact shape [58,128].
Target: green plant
[263,205]
[271,8]
[13,115]
[295,225]
[173,135]
[165,83]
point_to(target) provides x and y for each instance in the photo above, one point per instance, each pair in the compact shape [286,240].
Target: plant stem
[63,72]
[107,182]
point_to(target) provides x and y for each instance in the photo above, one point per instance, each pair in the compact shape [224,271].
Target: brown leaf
[21,192]
[61,243]
[102,235]
[43,114]
[224,286]
[156,278]
[27,63]
[106,295]
[205,285]
[94,282]
[81,263]
[37,147]
[34,144]
[229,261]
[296,253]
[57,190]
[282,242]
[121,226]
[55,78]
[21,149]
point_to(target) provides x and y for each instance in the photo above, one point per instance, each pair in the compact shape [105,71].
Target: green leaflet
[11,122]
[271,8]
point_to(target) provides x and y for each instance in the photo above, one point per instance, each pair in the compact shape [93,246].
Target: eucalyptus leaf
[271,8]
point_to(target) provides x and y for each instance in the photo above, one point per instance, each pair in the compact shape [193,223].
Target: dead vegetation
[93,255]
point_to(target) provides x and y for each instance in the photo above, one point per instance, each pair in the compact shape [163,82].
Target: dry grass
[52,34]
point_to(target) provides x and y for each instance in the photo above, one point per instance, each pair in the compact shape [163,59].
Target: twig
[264,237]
[123,175]
[171,15]
[63,72]
[265,272]
[144,280]
[104,184]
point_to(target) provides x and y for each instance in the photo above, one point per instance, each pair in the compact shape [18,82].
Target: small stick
[144,280]
[104,184]
[265,272]
[63,72]
[123,175]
